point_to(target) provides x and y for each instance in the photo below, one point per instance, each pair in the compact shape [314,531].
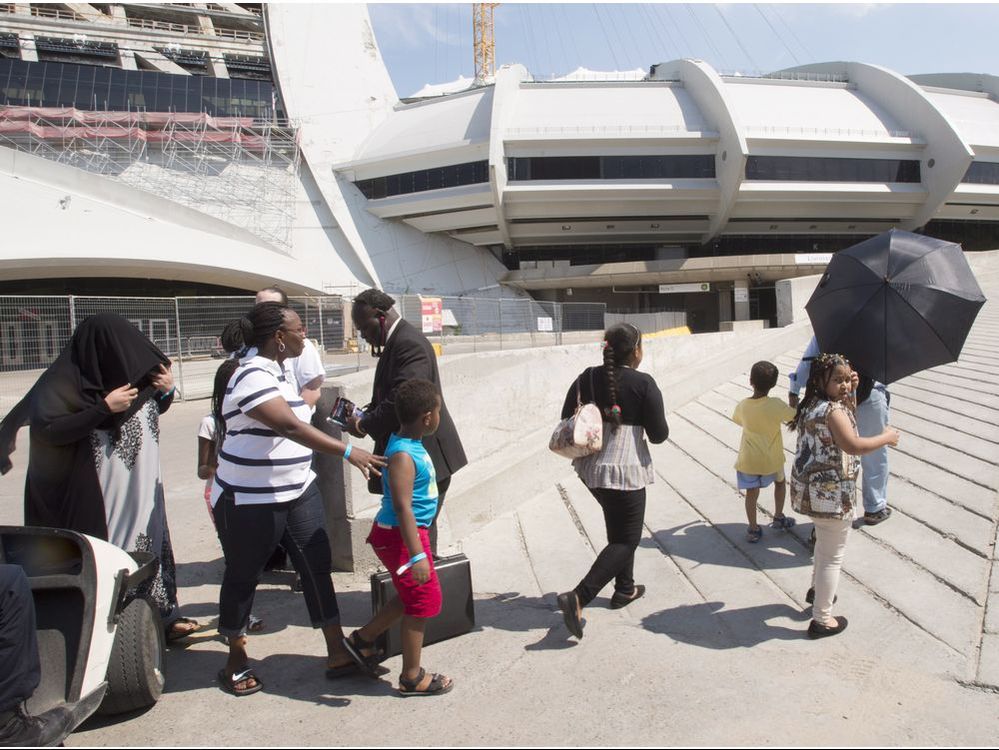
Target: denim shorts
[757,481]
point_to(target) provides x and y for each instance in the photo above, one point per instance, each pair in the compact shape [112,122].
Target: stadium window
[453,175]
[831,169]
[982,173]
[680,166]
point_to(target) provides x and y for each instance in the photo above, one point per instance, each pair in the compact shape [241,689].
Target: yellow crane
[485,41]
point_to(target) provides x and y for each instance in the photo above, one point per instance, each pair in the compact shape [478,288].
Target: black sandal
[356,646]
[436,686]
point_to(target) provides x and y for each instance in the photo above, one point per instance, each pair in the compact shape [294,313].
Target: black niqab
[65,406]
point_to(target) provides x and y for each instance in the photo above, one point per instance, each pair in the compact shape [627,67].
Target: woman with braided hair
[632,407]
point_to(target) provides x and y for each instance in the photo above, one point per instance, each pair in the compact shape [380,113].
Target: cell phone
[343,409]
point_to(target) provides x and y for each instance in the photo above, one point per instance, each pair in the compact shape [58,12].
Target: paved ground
[714,654]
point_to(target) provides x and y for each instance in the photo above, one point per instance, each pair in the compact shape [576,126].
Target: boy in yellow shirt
[761,453]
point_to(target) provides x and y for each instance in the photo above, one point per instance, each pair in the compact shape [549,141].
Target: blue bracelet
[346,453]
[412,561]
[167,394]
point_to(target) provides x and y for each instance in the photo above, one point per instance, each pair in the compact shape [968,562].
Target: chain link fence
[35,329]
[479,324]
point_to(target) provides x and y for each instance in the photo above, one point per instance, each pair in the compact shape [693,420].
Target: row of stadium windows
[699,166]
[93,87]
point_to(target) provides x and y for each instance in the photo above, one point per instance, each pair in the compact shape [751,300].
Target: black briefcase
[457,615]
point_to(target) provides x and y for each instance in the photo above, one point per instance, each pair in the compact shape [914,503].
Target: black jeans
[624,516]
[249,534]
[20,669]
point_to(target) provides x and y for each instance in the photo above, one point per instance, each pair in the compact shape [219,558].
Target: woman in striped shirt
[265,491]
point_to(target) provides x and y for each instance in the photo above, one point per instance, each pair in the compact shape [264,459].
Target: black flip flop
[172,637]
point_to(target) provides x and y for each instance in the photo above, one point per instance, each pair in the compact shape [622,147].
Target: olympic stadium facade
[224,146]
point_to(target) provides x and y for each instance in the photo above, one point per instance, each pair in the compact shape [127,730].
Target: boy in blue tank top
[400,537]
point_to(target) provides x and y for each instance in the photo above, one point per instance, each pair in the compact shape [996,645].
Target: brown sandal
[437,686]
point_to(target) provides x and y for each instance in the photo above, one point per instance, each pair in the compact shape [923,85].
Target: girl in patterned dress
[824,477]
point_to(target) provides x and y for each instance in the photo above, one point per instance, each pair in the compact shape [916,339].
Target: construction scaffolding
[237,169]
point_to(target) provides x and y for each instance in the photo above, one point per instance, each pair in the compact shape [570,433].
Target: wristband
[412,561]
[346,453]
[167,394]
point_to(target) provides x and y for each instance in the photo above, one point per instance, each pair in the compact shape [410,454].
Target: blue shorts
[757,481]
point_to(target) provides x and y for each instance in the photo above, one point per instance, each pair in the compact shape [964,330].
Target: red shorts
[418,600]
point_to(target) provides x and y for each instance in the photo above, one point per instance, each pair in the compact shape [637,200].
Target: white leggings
[830,544]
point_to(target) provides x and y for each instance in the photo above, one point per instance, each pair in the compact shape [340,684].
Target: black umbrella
[896,304]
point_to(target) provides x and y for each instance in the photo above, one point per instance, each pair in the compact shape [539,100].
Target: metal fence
[483,324]
[35,329]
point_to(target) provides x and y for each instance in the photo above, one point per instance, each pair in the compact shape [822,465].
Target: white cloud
[415,26]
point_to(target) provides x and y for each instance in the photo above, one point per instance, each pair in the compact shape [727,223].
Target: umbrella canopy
[896,304]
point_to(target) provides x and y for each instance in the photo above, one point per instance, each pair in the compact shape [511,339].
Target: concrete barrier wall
[792,295]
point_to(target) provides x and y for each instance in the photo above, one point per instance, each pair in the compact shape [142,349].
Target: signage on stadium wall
[432,312]
[812,259]
[684,288]
[546,324]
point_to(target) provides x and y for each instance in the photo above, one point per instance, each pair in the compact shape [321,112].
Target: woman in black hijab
[93,463]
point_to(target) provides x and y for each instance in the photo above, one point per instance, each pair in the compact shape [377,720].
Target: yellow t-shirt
[762,449]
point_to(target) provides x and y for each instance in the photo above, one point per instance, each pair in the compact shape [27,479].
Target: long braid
[612,413]
[222,377]
[620,341]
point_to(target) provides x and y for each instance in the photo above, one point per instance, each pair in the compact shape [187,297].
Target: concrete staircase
[920,589]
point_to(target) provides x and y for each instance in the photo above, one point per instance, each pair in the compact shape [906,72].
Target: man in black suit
[403,353]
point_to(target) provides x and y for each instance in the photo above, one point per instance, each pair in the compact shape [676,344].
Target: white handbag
[582,434]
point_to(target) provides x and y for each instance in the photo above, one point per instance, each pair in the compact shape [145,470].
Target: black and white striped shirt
[255,463]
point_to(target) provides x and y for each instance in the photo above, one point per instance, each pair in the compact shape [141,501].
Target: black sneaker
[817,630]
[18,728]
[873,519]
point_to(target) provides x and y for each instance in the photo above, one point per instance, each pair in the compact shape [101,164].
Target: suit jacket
[408,354]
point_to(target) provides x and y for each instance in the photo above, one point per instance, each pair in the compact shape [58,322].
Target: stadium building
[218,146]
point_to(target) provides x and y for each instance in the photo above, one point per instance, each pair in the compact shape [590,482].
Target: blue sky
[432,43]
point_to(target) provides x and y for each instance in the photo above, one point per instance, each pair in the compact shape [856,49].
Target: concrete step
[967,382]
[498,555]
[974,497]
[963,528]
[493,486]
[948,566]
[715,567]
[559,554]
[928,388]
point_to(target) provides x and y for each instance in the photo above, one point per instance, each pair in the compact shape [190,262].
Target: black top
[639,397]
[408,354]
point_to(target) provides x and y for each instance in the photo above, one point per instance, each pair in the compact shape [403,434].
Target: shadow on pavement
[713,545]
[515,612]
[710,626]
